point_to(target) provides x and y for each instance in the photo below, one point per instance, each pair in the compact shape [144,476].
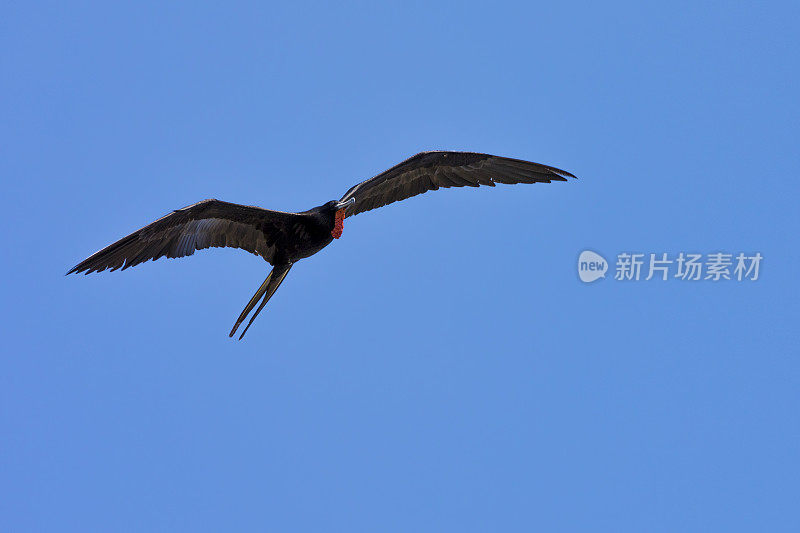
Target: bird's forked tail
[267,289]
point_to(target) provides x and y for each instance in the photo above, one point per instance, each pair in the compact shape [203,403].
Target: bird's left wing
[427,171]
[210,223]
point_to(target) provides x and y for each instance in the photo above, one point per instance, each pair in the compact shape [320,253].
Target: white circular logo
[591,266]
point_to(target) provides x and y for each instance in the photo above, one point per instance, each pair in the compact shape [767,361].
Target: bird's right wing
[428,171]
[210,223]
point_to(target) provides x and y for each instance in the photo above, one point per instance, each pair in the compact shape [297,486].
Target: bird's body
[282,238]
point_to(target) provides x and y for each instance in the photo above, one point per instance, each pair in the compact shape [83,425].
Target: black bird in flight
[282,239]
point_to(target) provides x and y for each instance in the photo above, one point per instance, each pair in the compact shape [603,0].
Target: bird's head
[339,209]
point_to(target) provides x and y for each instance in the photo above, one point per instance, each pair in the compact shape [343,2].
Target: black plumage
[282,238]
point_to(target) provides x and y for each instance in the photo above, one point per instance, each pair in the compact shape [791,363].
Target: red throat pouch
[339,225]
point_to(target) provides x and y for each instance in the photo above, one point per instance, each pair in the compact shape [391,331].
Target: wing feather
[206,224]
[428,171]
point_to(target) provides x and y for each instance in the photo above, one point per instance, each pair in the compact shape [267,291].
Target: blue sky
[441,367]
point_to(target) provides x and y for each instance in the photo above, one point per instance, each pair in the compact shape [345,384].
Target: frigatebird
[282,238]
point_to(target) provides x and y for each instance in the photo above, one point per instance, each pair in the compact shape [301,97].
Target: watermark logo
[591,266]
[684,266]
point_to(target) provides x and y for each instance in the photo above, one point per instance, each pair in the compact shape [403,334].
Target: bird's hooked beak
[345,204]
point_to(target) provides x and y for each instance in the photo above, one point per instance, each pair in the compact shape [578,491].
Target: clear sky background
[441,367]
